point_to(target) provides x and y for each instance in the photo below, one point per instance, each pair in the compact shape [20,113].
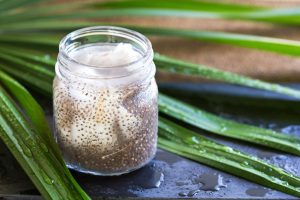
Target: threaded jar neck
[103,36]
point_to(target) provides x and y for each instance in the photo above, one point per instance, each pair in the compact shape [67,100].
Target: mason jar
[105,100]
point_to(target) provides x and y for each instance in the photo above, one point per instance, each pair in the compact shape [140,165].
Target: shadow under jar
[105,100]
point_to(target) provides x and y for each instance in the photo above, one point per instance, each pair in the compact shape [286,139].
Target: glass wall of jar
[105,100]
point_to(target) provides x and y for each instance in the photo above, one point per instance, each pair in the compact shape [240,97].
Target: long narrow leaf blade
[27,102]
[26,66]
[181,67]
[216,6]
[32,80]
[187,8]
[186,143]
[29,54]
[228,128]
[6,6]
[37,39]
[42,166]
[206,9]
[282,46]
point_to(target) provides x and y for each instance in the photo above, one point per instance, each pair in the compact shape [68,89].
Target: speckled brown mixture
[106,130]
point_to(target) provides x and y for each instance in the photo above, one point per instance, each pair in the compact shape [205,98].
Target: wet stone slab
[167,176]
[171,176]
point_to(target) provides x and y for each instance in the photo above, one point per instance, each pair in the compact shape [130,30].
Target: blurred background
[257,64]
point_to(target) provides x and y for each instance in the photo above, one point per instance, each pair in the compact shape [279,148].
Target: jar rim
[107,30]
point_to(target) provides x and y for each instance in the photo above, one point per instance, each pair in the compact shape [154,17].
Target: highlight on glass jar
[105,100]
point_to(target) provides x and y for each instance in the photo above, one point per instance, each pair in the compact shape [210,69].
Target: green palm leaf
[40,26]
[282,46]
[204,9]
[211,6]
[33,145]
[184,142]
[182,67]
[227,128]
[31,107]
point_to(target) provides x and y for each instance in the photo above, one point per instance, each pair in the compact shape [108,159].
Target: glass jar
[105,114]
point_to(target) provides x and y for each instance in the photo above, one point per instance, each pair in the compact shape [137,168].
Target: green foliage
[228,128]
[186,143]
[32,144]
[29,34]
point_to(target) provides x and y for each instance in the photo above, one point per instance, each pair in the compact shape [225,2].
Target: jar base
[96,173]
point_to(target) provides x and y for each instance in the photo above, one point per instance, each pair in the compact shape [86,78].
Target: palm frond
[172,65]
[227,128]
[186,143]
[32,144]
[28,25]
[282,46]
[205,9]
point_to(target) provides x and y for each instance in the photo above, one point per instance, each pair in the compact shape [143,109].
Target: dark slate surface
[170,176]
